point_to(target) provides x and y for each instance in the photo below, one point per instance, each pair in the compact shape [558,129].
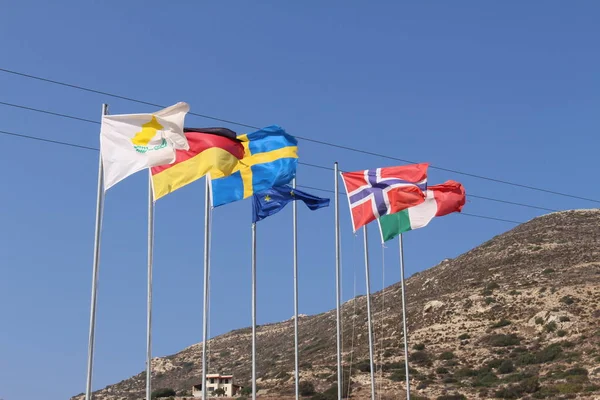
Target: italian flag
[441,200]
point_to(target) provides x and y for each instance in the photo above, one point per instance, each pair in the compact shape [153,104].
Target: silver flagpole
[369,313]
[295,228]
[337,282]
[206,261]
[254,311]
[149,309]
[404,327]
[96,264]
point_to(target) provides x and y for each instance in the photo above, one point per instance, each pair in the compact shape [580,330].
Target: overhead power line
[77,146]
[347,148]
[48,140]
[301,163]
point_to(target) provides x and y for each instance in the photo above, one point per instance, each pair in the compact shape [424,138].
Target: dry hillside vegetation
[515,318]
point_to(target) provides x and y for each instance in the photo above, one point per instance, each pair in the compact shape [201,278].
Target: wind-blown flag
[376,192]
[212,150]
[270,159]
[273,200]
[132,142]
[441,200]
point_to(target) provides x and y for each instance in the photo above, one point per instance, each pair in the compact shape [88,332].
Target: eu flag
[271,201]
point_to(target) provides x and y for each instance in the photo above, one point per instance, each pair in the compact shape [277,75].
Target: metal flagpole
[295,228]
[254,311]
[369,313]
[206,262]
[337,282]
[404,327]
[96,264]
[149,309]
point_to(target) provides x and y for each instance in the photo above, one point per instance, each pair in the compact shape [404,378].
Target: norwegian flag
[376,192]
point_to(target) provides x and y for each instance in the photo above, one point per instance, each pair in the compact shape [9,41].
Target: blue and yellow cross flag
[271,201]
[270,159]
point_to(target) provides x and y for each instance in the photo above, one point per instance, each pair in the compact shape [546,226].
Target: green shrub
[306,388]
[550,353]
[550,327]
[419,346]
[548,271]
[561,333]
[495,363]
[539,321]
[517,377]
[514,292]
[506,367]
[569,387]
[526,359]
[564,318]
[419,357]
[441,370]
[465,372]
[456,396]
[398,376]
[164,392]
[485,379]
[464,336]
[332,392]
[364,366]
[447,355]
[489,300]
[529,385]
[510,392]
[492,286]
[501,340]
[247,391]
[424,384]
[501,323]
[577,371]
[568,300]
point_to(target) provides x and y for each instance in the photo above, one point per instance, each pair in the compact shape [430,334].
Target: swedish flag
[270,159]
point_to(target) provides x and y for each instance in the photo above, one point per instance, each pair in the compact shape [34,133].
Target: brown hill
[517,317]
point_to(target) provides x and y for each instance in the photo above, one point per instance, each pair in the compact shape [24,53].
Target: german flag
[212,150]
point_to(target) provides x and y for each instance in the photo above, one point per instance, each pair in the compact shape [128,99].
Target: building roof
[218,376]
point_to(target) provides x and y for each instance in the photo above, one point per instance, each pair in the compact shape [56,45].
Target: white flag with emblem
[132,142]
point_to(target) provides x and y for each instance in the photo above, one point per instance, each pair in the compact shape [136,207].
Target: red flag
[373,193]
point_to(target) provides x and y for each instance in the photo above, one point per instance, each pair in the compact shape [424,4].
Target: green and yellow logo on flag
[149,131]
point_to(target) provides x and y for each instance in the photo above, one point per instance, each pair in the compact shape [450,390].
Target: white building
[217,381]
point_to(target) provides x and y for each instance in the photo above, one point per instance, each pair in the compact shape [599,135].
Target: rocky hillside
[517,317]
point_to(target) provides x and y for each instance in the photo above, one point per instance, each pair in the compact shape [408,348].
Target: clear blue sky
[503,89]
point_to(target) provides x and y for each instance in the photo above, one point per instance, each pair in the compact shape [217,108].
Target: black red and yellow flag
[212,150]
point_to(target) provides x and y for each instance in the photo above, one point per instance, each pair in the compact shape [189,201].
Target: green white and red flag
[441,200]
